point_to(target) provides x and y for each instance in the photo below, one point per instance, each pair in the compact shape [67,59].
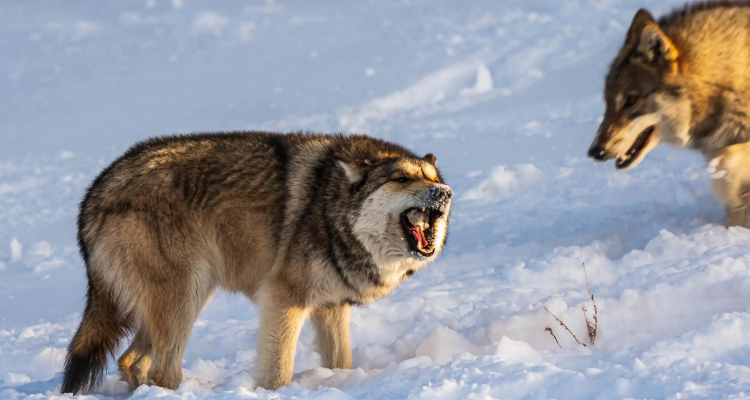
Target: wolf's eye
[630,101]
[402,179]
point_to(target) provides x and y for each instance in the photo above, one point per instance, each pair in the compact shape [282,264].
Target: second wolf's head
[400,207]
[645,104]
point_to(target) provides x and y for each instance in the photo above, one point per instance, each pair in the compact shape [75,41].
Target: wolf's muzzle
[418,223]
[439,197]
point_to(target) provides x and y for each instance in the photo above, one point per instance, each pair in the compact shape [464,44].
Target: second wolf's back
[714,42]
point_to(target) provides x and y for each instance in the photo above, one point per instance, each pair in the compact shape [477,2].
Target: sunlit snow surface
[507,94]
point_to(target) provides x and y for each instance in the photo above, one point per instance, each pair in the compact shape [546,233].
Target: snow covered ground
[506,93]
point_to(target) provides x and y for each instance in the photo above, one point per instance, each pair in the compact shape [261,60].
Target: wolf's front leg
[280,324]
[730,175]
[332,336]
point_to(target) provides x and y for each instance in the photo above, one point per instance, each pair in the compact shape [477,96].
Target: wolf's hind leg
[332,336]
[171,315]
[135,362]
[281,321]
[730,175]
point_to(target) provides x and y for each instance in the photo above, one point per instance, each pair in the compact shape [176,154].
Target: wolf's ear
[354,169]
[430,158]
[654,44]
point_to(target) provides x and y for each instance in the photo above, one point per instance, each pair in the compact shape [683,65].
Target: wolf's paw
[730,175]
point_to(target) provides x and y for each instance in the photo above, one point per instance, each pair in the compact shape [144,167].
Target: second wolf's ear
[640,20]
[354,169]
[654,44]
[430,158]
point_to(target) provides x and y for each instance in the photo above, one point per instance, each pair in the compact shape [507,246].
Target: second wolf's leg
[135,362]
[738,216]
[281,320]
[332,336]
[730,173]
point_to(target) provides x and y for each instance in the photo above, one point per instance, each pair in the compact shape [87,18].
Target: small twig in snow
[548,329]
[589,326]
[566,327]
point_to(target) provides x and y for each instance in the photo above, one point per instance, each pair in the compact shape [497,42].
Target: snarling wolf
[305,225]
[684,80]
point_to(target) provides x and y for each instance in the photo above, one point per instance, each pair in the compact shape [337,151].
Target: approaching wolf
[685,80]
[306,225]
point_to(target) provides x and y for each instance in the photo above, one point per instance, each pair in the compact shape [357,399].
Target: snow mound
[503,183]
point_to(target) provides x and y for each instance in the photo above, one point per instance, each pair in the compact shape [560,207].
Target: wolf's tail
[97,338]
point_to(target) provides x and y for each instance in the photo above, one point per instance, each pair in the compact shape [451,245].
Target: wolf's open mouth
[417,224]
[635,150]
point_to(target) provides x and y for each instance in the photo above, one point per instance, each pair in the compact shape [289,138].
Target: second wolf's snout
[597,152]
[599,147]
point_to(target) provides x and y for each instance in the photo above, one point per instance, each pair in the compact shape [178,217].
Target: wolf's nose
[597,153]
[441,193]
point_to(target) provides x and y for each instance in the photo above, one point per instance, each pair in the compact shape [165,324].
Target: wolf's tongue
[419,235]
